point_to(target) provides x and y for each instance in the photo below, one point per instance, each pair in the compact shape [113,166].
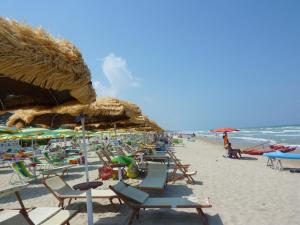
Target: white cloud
[118,76]
[96,84]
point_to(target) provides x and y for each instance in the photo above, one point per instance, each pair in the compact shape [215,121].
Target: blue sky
[188,64]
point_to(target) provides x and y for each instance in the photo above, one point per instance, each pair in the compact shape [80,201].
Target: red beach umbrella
[222,130]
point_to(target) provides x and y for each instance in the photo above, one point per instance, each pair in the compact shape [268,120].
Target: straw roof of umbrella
[36,69]
[103,110]
[139,123]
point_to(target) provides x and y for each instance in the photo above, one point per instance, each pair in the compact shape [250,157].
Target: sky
[189,65]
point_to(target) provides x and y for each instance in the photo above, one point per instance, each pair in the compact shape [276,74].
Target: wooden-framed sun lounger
[62,191]
[156,179]
[36,216]
[183,168]
[137,200]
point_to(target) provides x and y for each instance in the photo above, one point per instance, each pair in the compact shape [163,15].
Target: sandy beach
[241,192]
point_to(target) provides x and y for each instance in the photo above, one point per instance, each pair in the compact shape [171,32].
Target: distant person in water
[225,139]
[233,153]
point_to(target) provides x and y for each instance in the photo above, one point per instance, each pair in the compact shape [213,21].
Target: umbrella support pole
[89,202]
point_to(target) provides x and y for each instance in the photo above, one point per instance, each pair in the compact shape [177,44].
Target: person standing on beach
[225,138]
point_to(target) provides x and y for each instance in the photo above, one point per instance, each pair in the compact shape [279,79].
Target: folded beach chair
[62,191]
[183,168]
[106,161]
[156,179]
[136,200]
[36,216]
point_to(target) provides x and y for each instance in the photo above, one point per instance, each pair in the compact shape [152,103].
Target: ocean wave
[271,132]
[255,139]
[248,131]
[291,131]
[287,135]
[209,135]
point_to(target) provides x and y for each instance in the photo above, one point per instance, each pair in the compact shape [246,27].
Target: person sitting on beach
[225,139]
[233,153]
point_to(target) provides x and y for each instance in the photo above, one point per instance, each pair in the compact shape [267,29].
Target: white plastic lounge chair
[137,200]
[61,191]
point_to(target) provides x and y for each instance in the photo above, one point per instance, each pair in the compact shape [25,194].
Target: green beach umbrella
[34,130]
[7,130]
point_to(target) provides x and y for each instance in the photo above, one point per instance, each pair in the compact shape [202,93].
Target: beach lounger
[137,200]
[62,191]
[35,216]
[103,158]
[177,142]
[156,178]
[47,169]
[157,157]
[183,168]
[274,158]
[20,170]
[53,159]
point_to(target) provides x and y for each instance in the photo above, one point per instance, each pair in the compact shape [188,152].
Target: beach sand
[241,192]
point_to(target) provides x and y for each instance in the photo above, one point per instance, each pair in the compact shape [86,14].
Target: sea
[287,135]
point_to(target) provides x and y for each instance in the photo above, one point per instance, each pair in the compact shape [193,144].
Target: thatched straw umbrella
[140,123]
[36,69]
[103,110]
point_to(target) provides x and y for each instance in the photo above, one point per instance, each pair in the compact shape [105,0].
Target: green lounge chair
[56,161]
[177,142]
[20,169]
[36,160]
[53,159]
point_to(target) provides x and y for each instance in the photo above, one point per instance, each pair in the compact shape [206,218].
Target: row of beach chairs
[134,197]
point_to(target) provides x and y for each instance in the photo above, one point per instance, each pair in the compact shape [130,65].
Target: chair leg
[61,203]
[138,214]
[120,201]
[190,180]
[69,201]
[202,215]
[133,214]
